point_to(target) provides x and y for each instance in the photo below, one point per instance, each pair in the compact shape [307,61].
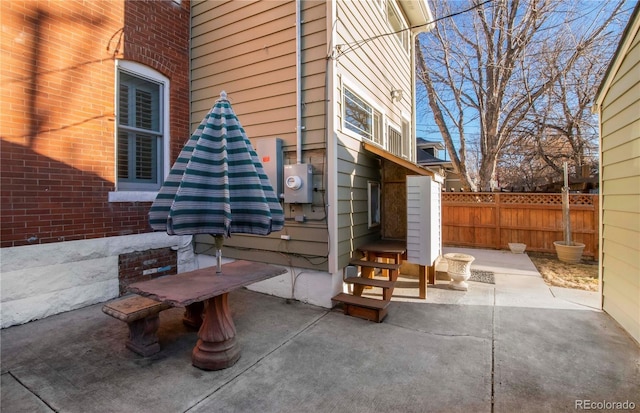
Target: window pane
[139,154]
[137,157]
[396,25]
[406,135]
[123,155]
[144,109]
[139,103]
[357,114]
[123,105]
[145,157]
[377,127]
[374,204]
[395,141]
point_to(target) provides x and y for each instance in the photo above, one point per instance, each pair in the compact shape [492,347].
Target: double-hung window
[141,109]
[361,118]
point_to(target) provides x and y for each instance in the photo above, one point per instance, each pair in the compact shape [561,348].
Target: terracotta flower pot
[569,253]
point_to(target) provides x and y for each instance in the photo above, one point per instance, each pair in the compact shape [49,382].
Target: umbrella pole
[219,241]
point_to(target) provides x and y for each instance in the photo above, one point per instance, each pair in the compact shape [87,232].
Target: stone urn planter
[459,270]
[517,248]
[569,253]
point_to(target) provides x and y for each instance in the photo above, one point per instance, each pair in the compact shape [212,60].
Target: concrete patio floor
[516,345]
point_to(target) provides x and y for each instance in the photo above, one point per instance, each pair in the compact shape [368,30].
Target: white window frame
[373,204]
[369,102]
[408,139]
[137,69]
[397,129]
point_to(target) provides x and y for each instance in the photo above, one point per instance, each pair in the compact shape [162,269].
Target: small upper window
[140,141]
[373,193]
[406,138]
[397,25]
[362,118]
[396,142]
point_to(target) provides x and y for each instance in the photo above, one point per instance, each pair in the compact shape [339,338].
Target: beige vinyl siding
[249,52]
[248,49]
[620,129]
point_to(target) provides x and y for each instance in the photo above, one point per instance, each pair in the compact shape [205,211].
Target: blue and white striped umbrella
[217,185]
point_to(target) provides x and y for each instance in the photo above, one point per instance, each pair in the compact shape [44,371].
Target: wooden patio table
[386,246]
[216,347]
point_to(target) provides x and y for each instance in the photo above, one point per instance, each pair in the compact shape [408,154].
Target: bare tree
[486,69]
[567,117]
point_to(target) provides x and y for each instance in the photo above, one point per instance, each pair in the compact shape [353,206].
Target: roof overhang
[418,13]
[429,144]
[442,164]
[415,168]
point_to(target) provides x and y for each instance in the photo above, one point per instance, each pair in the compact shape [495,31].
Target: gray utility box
[298,188]
[269,151]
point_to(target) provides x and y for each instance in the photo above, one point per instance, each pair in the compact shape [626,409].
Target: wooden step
[361,301]
[374,264]
[362,282]
[363,307]
[374,282]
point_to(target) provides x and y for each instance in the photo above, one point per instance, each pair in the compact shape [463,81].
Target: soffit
[418,13]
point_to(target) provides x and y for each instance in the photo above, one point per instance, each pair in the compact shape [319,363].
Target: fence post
[596,234]
[497,201]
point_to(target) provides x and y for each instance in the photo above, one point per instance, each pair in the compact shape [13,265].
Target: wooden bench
[141,315]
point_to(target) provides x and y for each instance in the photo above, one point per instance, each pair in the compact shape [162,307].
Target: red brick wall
[57,162]
[145,265]
[156,34]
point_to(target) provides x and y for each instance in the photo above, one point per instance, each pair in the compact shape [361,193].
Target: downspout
[414,105]
[298,83]
[331,146]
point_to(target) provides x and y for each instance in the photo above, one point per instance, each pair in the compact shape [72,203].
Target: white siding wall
[371,65]
[372,58]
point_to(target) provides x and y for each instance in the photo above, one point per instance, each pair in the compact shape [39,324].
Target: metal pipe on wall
[298,83]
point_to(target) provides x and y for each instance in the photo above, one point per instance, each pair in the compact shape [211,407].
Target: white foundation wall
[310,287]
[37,281]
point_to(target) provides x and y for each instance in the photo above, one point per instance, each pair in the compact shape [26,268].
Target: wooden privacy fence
[492,220]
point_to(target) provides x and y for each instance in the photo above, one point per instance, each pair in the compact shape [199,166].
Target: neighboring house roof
[421,142]
[424,157]
[621,52]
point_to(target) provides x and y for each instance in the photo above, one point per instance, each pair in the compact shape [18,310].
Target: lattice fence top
[519,198]
[469,197]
